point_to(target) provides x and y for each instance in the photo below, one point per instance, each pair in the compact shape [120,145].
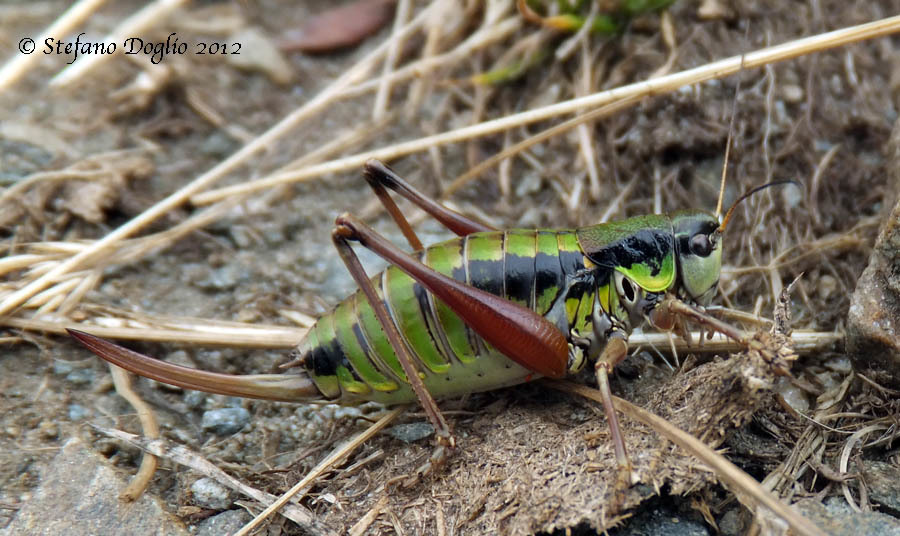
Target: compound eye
[700,245]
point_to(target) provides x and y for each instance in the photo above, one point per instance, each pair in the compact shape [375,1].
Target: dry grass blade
[845,458]
[803,341]
[150,427]
[384,88]
[202,332]
[727,472]
[359,528]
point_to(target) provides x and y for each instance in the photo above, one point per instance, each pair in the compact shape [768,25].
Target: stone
[835,517]
[882,480]
[873,323]
[79,496]
[225,421]
[228,522]
[411,432]
[210,494]
[660,522]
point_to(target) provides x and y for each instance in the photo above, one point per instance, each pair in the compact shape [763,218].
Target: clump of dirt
[539,462]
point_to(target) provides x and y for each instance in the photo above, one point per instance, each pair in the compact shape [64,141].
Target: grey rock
[873,327]
[81,376]
[242,236]
[210,494]
[63,367]
[77,372]
[411,432]
[225,421]
[195,399]
[661,522]
[78,412]
[835,517]
[217,145]
[883,480]
[21,159]
[228,522]
[731,523]
[79,496]
[224,278]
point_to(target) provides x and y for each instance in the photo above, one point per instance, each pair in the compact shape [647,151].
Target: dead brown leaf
[338,28]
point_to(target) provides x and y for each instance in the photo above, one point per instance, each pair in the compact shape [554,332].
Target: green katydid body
[591,283]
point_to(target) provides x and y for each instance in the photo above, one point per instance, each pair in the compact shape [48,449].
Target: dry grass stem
[201,331]
[475,171]
[245,335]
[150,427]
[490,33]
[843,464]
[384,86]
[359,528]
[18,262]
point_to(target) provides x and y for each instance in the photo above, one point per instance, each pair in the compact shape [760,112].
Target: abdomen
[348,356]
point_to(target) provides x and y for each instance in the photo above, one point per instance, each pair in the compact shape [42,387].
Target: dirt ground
[530,459]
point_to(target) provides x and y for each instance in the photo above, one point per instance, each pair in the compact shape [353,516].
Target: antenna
[747,194]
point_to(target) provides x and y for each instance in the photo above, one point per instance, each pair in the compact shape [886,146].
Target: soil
[526,453]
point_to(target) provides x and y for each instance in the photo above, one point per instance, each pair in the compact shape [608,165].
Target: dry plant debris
[531,459]
[339,27]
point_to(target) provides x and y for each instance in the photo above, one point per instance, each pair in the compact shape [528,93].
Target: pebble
[411,432]
[793,396]
[225,421]
[62,367]
[228,522]
[873,321]
[217,145]
[224,278]
[195,399]
[48,430]
[77,372]
[882,480]
[79,496]
[209,493]
[81,376]
[835,517]
[78,412]
[660,522]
